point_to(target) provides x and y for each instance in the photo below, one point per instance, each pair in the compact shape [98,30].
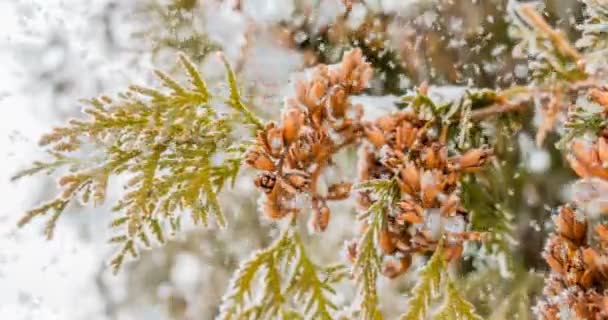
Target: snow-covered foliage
[430,145]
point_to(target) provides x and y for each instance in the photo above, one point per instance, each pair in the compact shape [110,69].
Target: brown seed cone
[385,241]
[600,96]
[570,226]
[602,150]
[272,208]
[375,135]
[453,251]
[410,212]
[585,160]
[405,136]
[473,159]
[410,178]
[259,160]
[578,270]
[293,120]
[339,191]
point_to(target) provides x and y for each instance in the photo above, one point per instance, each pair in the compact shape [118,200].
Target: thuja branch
[519,99]
[235,97]
[281,287]
[561,43]
[162,140]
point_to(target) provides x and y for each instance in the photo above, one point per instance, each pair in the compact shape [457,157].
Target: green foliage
[169,25]
[176,149]
[424,105]
[290,279]
[594,38]
[498,298]
[492,196]
[367,264]
[455,306]
[487,201]
[549,54]
[581,121]
[427,287]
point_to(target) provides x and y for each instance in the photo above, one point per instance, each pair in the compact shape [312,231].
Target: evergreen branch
[427,288]
[367,264]
[311,283]
[242,280]
[235,100]
[39,166]
[304,283]
[456,307]
[490,212]
[556,37]
[195,77]
[594,39]
[552,56]
[163,140]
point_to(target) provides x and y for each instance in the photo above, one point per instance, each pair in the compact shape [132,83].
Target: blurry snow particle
[498,50]
[53,57]
[491,67]
[566,312]
[531,195]
[24,298]
[456,24]
[300,201]
[427,180]
[534,225]
[185,272]
[217,158]
[503,265]
[404,81]
[579,215]
[455,224]
[357,16]
[164,290]
[428,18]
[591,195]
[432,133]
[521,71]
[433,223]
[539,161]
[331,174]
[300,37]
[336,137]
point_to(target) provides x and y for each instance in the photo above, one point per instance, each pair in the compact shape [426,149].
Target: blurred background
[55,52]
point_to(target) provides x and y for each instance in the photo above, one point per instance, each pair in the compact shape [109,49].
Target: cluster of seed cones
[577,287]
[315,124]
[578,283]
[414,151]
[320,120]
